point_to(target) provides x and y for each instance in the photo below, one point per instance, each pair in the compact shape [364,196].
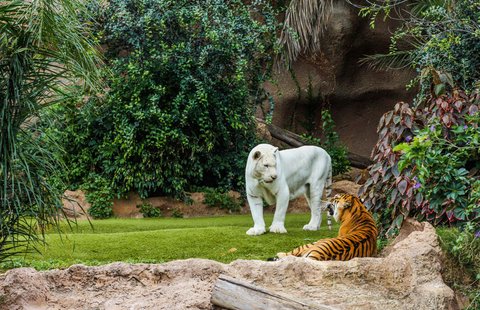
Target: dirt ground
[76,205]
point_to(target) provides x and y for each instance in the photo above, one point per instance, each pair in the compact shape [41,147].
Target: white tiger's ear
[256,155]
[275,150]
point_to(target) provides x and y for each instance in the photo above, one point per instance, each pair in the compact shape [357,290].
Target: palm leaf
[42,49]
[305,22]
[392,60]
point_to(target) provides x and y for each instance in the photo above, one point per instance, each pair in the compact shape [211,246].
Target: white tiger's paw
[278,228]
[255,231]
[311,227]
[281,255]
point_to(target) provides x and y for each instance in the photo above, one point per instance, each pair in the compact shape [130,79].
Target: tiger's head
[341,203]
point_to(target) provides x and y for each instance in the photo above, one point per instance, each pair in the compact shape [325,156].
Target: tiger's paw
[281,255]
[278,228]
[255,231]
[311,227]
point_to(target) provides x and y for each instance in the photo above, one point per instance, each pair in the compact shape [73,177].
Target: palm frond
[42,48]
[305,22]
[393,60]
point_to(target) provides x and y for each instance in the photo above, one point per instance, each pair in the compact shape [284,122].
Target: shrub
[177,214]
[439,35]
[331,143]
[462,261]
[220,199]
[427,163]
[149,211]
[179,111]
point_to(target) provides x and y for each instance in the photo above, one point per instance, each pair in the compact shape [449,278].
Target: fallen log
[294,140]
[231,293]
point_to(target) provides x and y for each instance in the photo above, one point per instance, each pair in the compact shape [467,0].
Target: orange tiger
[357,236]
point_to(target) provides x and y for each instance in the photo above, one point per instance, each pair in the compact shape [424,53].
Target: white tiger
[279,176]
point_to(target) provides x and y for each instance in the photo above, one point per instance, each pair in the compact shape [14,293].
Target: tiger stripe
[357,235]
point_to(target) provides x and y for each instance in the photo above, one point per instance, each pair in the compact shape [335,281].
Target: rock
[262,132]
[408,277]
[24,289]
[75,205]
[356,94]
[353,174]
[345,187]
[127,207]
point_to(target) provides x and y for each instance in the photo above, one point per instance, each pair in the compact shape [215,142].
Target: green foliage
[149,211]
[42,48]
[462,248]
[427,163]
[221,199]
[180,107]
[331,143]
[441,35]
[177,214]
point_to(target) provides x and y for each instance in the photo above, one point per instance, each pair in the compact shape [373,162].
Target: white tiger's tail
[328,192]
[328,184]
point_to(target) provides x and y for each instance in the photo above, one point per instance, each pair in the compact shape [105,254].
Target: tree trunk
[230,293]
[294,140]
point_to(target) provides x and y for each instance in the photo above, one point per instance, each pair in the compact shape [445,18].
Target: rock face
[357,94]
[408,277]
[75,205]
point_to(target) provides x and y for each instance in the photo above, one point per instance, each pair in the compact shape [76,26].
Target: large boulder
[357,94]
[75,205]
[406,277]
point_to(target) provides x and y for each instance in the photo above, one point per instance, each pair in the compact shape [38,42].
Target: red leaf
[446,120]
[388,117]
[473,109]
[419,199]
[408,121]
[459,105]
[402,186]
[444,105]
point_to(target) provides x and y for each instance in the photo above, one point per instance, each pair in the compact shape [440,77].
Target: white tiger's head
[264,157]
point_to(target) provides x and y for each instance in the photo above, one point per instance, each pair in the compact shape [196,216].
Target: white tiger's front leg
[278,224]
[256,207]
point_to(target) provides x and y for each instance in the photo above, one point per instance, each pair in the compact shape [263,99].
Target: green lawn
[160,240]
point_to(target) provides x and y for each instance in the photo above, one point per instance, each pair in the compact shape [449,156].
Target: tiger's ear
[256,155]
[275,150]
[348,202]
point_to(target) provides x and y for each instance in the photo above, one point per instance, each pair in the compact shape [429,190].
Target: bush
[462,262]
[219,199]
[441,36]
[427,163]
[149,211]
[331,143]
[180,108]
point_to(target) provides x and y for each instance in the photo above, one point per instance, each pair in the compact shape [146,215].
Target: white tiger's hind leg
[314,199]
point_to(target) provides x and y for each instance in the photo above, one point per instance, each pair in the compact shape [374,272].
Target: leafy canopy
[180,106]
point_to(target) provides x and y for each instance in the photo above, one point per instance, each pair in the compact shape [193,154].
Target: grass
[160,240]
